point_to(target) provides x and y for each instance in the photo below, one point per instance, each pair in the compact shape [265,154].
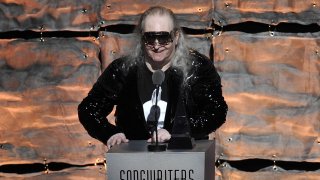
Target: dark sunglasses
[163,37]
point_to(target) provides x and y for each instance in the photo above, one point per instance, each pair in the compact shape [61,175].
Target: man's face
[159,38]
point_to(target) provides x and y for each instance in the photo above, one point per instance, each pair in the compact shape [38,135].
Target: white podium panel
[133,161]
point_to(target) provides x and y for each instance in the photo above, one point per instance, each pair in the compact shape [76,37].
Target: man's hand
[117,139]
[163,135]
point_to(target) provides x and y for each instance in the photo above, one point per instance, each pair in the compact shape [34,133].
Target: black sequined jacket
[118,85]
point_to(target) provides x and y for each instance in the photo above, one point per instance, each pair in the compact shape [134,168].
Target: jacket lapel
[174,85]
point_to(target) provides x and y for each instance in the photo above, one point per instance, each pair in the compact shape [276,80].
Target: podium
[133,161]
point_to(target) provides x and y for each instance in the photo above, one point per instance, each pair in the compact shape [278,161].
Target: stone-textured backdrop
[270,81]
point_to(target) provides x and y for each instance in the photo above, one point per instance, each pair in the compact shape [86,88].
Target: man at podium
[188,87]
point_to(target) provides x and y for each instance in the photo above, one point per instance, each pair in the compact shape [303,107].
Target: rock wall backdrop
[267,53]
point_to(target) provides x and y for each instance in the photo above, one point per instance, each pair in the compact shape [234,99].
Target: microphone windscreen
[158,77]
[153,117]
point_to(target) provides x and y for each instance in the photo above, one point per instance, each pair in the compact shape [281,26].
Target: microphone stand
[157,147]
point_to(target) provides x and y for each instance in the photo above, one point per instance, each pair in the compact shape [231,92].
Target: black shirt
[146,89]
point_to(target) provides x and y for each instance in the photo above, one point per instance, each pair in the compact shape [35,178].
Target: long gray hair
[181,58]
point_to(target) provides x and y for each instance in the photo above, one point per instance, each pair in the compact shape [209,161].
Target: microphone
[158,77]
[153,117]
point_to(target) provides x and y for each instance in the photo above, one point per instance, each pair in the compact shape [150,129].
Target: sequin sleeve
[208,108]
[94,108]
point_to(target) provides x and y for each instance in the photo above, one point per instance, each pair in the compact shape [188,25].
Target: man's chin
[158,58]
